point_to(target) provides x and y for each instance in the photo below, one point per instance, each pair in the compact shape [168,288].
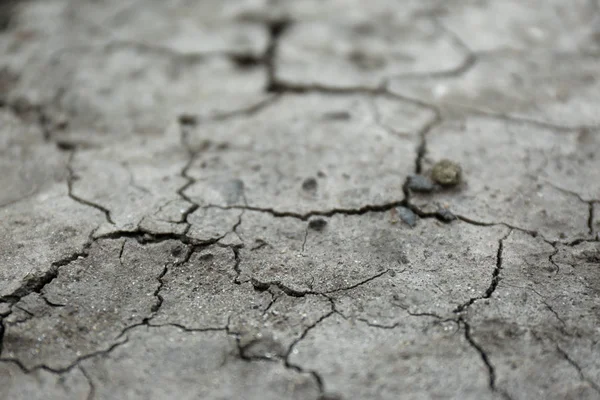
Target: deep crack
[582,376]
[262,286]
[92,392]
[71,179]
[485,358]
[318,379]
[159,299]
[495,278]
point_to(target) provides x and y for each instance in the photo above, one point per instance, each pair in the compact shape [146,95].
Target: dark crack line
[159,299]
[248,111]
[132,181]
[582,376]
[72,365]
[548,306]
[262,286]
[260,244]
[551,259]
[495,278]
[92,392]
[144,237]
[422,147]
[24,110]
[276,29]
[288,364]
[354,286]
[160,210]
[416,314]
[375,325]
[485,358]
[529,232]
[36,284]
[2,332]
[121,252]
[274,299]
[305,238]
[375,208]
[577,242]
[50,303]
[590,221]
[590,204]
[189,181]
[469,61]
[326,213]
[236,265]
[186,329]
[71,179]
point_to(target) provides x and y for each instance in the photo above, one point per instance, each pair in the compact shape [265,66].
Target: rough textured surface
[204,364]
[545,305]
[306,153]
[17,384]
[517,174]
[239,199]
[88,305]
[548,88]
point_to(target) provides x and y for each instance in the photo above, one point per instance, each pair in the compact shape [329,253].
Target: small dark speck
[65,145]
[445,215]
[309,184]
[188,120]
[330,396]
[321,174]
[176,251]
[337,116]
[206,257]
[317,224]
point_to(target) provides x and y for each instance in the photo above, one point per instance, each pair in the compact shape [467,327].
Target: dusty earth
[233,199]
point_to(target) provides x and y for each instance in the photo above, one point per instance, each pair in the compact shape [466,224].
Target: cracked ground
[234,199]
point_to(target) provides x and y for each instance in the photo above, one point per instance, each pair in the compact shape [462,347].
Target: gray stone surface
[16,384]
[264,160]
[545,305]
[88,305]
[596,219]
[236,199]
[204,365]
[418,359]
[524,25]
[42,226]
[514,174]
[550,88]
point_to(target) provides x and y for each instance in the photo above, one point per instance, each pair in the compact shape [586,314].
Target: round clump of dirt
[446,173]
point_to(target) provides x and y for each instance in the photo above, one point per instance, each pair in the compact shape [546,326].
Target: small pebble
[446,172]
[445,215]
[407,216]
[420,183]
